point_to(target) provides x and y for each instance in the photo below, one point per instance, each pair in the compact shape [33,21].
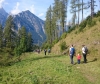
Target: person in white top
[84,53]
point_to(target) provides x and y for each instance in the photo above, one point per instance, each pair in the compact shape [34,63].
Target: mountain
[3,16]
[32,24]
[30,21]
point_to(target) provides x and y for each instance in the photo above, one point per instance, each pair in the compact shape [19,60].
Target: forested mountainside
[89,36]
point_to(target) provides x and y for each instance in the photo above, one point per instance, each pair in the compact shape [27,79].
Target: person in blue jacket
[71,53]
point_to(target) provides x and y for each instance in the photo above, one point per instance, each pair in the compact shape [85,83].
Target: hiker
[84,52]
[71,53]
[45,51]
[78,58]
[48,50]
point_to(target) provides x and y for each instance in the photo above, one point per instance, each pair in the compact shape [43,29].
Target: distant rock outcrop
[3,16]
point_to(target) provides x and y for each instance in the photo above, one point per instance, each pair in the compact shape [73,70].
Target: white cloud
[32,9]
[41,14]
[16,9]
[1,2]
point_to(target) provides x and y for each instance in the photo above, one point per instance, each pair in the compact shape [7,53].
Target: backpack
[72,51]
[86,50]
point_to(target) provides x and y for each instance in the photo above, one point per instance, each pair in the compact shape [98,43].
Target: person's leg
[45,53]
[83,57]
[85,60]
[71,58]
[78,61]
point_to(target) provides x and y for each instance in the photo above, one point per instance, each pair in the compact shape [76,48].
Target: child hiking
[78,58]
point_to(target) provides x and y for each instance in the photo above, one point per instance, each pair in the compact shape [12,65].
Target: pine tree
[66,8]
[29,42]
[76,8]
[82,9]
[17,49]
[78,4]
[73,11]
[91,5]
[1,37]
[23,40]
[21,46]
[9,34]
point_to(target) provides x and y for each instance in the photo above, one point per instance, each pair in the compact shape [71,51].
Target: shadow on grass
[45,57]
[95,59]
[33,59]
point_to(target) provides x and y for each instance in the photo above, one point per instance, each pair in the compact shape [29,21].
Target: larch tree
[56,16]
[48,25]
[62,14]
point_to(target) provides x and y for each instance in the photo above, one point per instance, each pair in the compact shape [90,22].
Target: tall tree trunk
[82,10]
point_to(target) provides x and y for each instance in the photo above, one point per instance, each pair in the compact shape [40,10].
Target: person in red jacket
[78,58]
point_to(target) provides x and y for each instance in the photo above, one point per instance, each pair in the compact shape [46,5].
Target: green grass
[51,69]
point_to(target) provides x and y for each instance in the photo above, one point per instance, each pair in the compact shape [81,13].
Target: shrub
[98,14]
[71,29]
[63,46]
[63,35]
[91,23]
[76,32]
[99,19]
[82,25]
[88,18]
[55,41]
[47,45]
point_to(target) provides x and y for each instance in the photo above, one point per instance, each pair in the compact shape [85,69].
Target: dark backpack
[72,51]
[86,50]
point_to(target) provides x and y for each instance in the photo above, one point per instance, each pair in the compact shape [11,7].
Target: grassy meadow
[50,69]
[55,68]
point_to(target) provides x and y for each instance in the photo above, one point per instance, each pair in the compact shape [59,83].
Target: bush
[55,41]
[63,46]
[82,25]
[63,35]
[99,19]
[47,45]
[71,29]
[98,14]
[91,23]
[88,17]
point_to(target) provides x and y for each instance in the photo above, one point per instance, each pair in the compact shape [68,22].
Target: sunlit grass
[50,69]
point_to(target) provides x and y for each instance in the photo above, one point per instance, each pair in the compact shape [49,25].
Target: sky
[37,7]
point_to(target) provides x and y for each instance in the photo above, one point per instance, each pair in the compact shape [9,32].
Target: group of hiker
[72,53]
[47,50]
